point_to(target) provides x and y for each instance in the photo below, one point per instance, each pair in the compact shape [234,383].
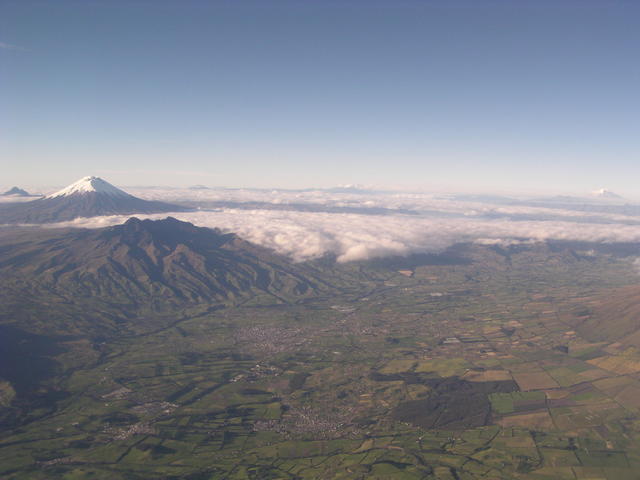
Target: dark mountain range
[88,197]
[137,276]
[145,262]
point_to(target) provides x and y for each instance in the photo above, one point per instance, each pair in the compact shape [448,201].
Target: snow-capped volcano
[604,193]
[89,185]
[88,197]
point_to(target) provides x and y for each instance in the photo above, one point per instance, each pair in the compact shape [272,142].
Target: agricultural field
[463,370]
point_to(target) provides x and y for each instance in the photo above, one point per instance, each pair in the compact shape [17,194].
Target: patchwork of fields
[474,370]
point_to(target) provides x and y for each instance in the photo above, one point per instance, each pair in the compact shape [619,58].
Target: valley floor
[454,371]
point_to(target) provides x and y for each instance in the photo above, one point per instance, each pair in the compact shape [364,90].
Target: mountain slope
[169,259]
[88,197]
[615,317]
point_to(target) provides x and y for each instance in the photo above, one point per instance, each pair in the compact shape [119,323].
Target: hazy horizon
[46,188]
[357,224]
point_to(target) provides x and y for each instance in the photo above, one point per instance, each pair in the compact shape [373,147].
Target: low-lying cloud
[359,225]
[308,235]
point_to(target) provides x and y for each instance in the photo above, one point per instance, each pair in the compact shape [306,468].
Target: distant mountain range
[88,197]
[598,197]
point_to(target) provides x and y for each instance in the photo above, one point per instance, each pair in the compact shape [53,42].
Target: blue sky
[475,95]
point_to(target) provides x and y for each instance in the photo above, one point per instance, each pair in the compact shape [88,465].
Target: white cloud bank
[306,235]
[426,203]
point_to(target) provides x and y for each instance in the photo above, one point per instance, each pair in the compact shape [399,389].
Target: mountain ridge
[155,265]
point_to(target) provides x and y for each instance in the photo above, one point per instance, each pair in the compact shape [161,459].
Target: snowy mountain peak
[89,185]
[604,193]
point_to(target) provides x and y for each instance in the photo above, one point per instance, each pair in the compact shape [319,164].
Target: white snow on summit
[604,193]
[89,185]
